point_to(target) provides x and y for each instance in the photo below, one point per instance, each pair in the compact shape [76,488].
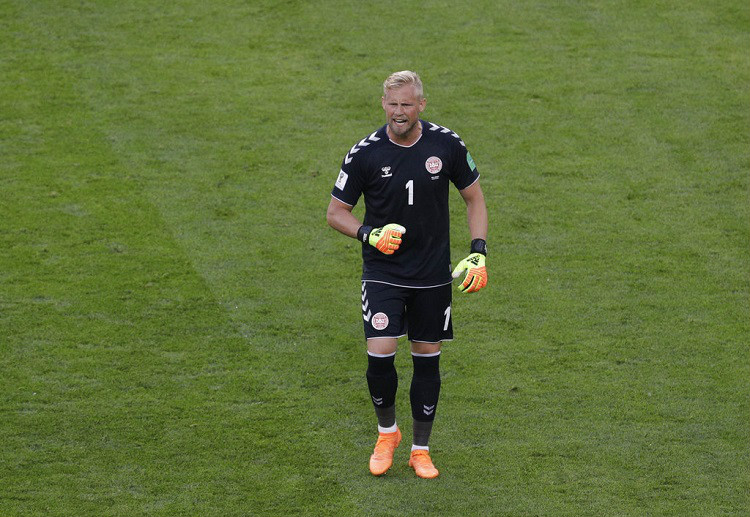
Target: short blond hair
[403,78]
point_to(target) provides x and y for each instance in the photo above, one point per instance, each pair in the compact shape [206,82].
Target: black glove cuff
[364,233]
[479,246]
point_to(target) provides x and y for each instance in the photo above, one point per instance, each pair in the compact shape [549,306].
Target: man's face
[402,108]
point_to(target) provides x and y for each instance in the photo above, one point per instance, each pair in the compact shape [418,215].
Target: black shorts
[389,311]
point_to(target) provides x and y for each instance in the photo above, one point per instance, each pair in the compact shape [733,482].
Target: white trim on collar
[407,146]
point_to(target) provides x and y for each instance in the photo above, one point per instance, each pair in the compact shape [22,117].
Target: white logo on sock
[428,410]
[377,401]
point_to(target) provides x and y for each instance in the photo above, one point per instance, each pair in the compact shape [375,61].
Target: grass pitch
[180,332]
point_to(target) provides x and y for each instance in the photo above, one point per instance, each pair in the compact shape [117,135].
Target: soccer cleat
[422,464]
[382,457]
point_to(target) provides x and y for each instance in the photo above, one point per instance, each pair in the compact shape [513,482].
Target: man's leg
[429,323]
[383,309]
[424,394]
[383,382]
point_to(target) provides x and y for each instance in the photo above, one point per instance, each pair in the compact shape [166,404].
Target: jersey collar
[421,134]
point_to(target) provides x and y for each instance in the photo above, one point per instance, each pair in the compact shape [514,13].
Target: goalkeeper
[404,170]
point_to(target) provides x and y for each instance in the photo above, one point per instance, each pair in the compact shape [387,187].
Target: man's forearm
[477,215]
[343,221]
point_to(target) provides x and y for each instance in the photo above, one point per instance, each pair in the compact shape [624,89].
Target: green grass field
[180,331]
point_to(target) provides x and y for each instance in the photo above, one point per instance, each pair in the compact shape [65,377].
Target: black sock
[424,394]
[383,382]
[421,432]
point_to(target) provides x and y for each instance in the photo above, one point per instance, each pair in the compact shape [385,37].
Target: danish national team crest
[380,321]
[433,164]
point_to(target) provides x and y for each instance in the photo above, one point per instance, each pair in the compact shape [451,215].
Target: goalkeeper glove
[386,239]
[476,278]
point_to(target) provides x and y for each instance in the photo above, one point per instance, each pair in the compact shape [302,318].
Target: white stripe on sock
[381,355]
[391,429]
[434,354]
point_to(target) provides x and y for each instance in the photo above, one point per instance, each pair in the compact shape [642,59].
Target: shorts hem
[407,286]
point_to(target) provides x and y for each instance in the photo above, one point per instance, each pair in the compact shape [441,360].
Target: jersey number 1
[410,188]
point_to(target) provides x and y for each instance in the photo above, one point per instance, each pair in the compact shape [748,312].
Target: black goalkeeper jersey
[408,186]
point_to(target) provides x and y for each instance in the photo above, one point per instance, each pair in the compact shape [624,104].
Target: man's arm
[476,272]
[339,217]
[386,239]
[476,211]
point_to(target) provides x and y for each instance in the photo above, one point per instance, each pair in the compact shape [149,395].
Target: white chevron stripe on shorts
[365,304]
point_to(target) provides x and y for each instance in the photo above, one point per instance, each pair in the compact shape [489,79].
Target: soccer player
[403,170]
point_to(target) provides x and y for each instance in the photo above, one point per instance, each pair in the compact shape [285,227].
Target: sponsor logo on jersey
[341,181]
[470,161]
[386,172]
[433,165]
[379,321]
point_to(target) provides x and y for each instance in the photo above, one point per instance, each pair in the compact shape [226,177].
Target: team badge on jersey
[433,165]
[380,321]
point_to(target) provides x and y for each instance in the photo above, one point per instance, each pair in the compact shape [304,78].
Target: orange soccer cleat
[421,462]
[382,457]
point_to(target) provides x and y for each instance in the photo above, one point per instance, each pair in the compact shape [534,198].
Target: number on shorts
[447,317]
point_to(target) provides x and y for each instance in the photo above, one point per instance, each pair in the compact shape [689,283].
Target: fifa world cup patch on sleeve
[470,161]
[341,181]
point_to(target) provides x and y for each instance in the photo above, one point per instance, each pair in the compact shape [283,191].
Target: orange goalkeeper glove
[476,277]
[386,239]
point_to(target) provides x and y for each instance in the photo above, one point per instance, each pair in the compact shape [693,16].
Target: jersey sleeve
[350,181]
[465,171]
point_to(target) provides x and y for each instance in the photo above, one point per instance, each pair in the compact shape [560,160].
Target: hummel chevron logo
[435,127]
[367,316]
[366,305]
[428,410]
[377,401]
[362,143]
